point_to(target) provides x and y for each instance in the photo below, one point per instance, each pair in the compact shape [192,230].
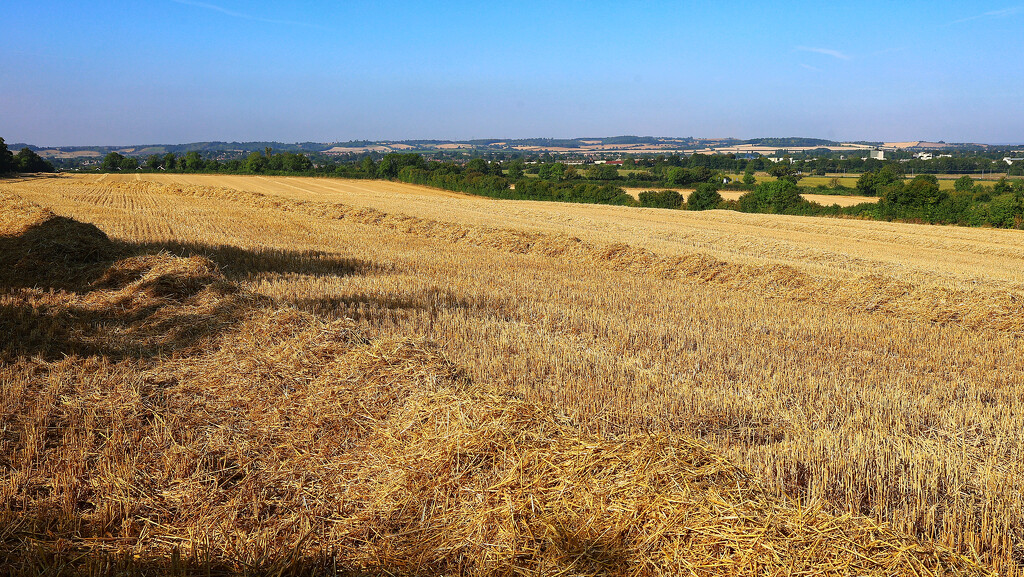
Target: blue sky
[173,71]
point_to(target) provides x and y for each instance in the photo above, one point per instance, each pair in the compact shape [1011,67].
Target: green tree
[603,172]
[662,199]
[394,162]
[924,190]
[170,161]
[748,178]
[153,162]
[7,163]
[255,163]
[916,199]
[193,161]
[515,169]
[676,176]
[477,165]
[298,163]
[275,162]
[129,163]
[777,197]
[1002,186]
[866,184]
[871,183]
[1005,210]
[963,184]
[29,161]
[785,171]
[368,167]
[554,172]
[705,197]
[112,161]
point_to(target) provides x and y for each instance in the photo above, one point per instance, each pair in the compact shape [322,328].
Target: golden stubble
[866,367]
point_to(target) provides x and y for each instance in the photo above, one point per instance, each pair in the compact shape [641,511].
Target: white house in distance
[877,154]
[1009,160]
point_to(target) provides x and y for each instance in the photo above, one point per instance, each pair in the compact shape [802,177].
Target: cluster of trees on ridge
[25,161]
[266,162]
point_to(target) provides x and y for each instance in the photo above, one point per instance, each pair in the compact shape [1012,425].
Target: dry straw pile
[214,433]
[67,294]
[40,248]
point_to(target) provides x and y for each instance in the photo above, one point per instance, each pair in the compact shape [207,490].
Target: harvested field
[635,191]
[840,199]
[826,200]
[822,199]
[866,370]
[926,255]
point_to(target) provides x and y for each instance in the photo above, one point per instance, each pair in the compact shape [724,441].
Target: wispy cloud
[992,14]
[825,51]
[809,67]
[243,16]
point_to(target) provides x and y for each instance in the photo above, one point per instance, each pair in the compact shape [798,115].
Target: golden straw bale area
[233,375]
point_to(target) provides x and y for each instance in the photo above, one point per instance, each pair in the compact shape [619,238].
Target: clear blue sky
[174,71]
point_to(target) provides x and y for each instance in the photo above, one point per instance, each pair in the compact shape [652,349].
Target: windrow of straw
[877,293]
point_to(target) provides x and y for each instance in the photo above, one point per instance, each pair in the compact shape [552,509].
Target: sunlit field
[867,371]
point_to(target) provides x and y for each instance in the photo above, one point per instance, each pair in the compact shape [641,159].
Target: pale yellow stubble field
[918,253]
[822,199]
[839,386]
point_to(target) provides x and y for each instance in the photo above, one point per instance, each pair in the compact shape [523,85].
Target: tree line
[266,162]
[919,200]
[26,160]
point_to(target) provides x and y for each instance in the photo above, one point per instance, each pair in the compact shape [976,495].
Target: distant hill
[207,148]
[547,142]
[630,140]
[791,141]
